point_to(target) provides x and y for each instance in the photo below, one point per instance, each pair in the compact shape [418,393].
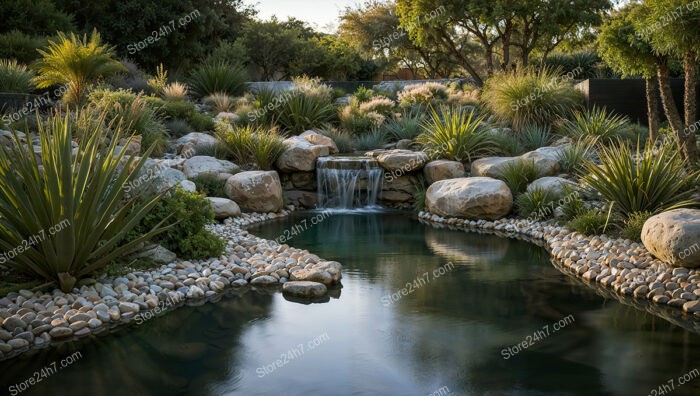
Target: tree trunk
[690,103]
[652,86]
[669,104]
[489,60]
[463,61]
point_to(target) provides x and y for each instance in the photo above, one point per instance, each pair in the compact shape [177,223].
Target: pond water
[449,332]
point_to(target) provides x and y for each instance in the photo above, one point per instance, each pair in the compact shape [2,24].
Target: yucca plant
[15,77]
[84,193]
[219,102]
[76,63]
[533,137]
[218,77]
[369,141]
[527,97]
[301,112]
[407,127]
[251,145]
[649,181]
[572,157]
[518,174]
[456,134]
[175,92]
[596,123]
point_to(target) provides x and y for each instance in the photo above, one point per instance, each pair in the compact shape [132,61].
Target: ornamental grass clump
[525,97]
[83,192]
[15,77]
[250,145]
[598,124]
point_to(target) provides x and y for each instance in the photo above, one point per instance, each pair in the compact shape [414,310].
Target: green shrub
[406,127]
[135,114]
[82,194]
[518,174]
[20,46]
[654,180]
[533,137]
[591,222]
[218,77]
[369,141]
[210,185]
[537,204]
[342,139]
[632,229]
[573,204]
[76,63]
[15,77]
[580,64]
[596,124]
[186,111]
[357,122]
[184,214]
[525,97]
[456,134]
[507,144]
[251,145]
[572,157]
[178,128]
[363,94]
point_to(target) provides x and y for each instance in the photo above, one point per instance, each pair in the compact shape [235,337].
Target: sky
[321,14]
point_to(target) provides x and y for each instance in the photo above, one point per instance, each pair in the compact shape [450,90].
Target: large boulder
[557,186]
[224,208]
[674,236]
[316,138]
[402,160]
[398,189]
[256,191]
[304,289]
[155,177]
[203,165]
[193,142]
[300,155]
[545,159]
[442,170]
[469,197]
[305,199]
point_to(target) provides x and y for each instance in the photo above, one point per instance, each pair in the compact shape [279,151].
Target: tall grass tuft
[15,77]
[250,145]
[518,174]
[526,97]
[596,123]
[218,77]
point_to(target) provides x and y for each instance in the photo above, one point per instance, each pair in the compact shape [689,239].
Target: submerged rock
[304,289]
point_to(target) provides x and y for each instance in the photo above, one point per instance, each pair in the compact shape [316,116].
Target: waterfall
[348,182]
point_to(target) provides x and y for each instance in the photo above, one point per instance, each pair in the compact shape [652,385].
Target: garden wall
[627,96]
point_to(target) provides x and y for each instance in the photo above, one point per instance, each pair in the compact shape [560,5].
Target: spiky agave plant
[653,180]
[83,192]
[456,134]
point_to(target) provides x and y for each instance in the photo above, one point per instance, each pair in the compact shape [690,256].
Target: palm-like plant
[76,63]
[654,180]
[456,134]
[85,190]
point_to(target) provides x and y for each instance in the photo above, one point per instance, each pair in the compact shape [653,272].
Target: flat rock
[304,289]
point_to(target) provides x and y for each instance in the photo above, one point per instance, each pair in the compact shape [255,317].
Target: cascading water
[348,182]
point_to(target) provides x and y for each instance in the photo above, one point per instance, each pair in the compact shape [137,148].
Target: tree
[673,29]
[182,32]
[622,49]
[374,29]
[499,26]
[34,17]
[75,62]
[270,46]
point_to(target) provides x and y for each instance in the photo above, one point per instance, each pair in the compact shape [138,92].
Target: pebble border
[33,321]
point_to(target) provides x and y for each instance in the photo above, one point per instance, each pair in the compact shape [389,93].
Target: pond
[421,311]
